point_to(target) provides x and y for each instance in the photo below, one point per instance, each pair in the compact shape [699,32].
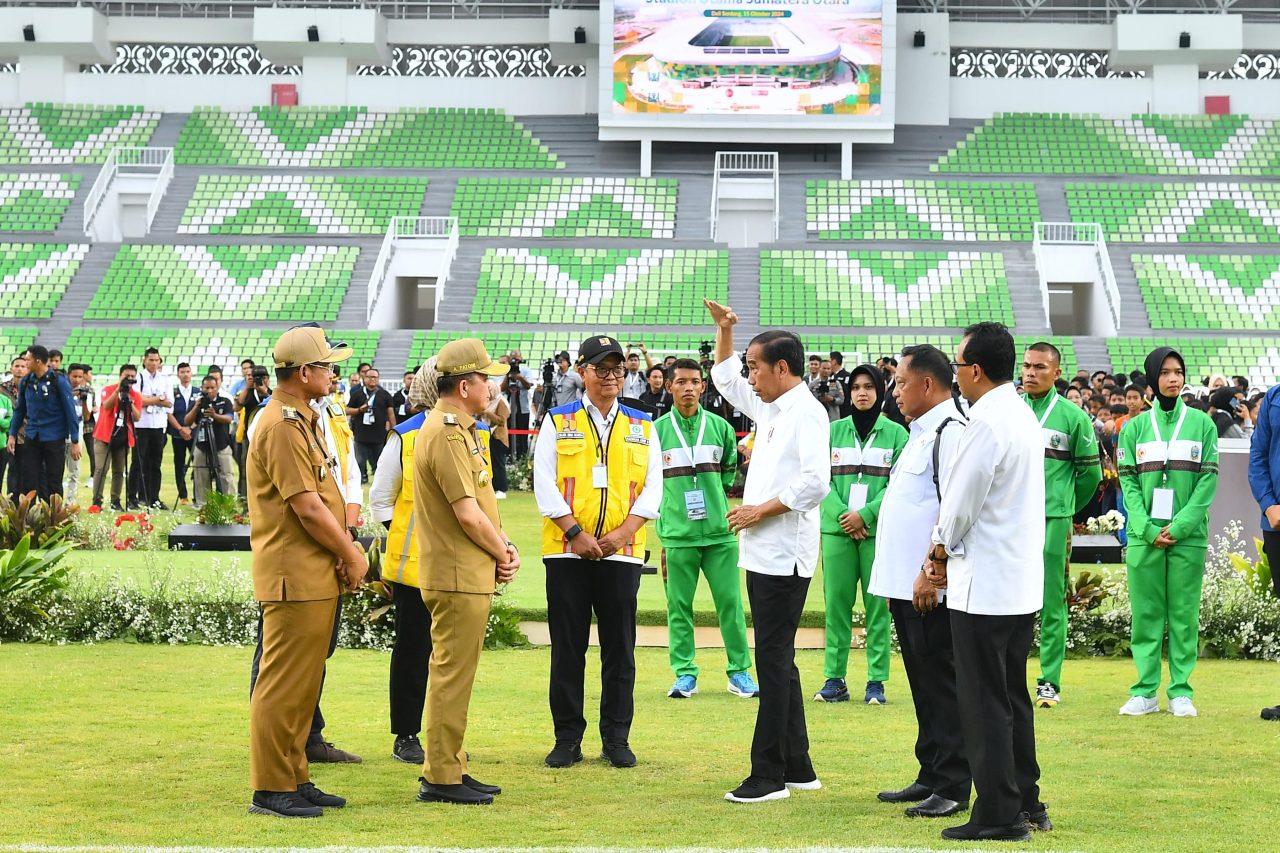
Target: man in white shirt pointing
[987,555]
[779,524]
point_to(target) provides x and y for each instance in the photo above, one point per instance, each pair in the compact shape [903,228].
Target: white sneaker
[502,496]
[1138,706]
[1180,706]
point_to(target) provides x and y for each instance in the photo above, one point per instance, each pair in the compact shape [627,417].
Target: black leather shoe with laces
[618,754]
[564,754]
[282,804]
[309,792]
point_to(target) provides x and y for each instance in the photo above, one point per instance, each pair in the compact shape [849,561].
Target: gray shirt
[567,387]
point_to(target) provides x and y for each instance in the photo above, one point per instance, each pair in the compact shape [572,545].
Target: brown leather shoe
[326,753]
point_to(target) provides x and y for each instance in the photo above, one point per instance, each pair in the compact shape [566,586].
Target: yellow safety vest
[342,438]
[626,463]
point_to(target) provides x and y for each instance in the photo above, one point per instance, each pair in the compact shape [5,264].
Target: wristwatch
[572,532]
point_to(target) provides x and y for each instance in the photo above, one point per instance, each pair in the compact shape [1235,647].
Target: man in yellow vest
[597,478]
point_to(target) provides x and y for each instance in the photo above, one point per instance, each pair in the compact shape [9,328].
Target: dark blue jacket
[47,407]
[1264,453]
[180,407]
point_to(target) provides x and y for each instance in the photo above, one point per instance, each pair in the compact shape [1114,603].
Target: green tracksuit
[699,462]
[1165,584]
[846,562]
[1072,472]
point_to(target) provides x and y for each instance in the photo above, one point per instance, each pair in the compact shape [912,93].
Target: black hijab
[864,422]
[1152,368]
[1221,400]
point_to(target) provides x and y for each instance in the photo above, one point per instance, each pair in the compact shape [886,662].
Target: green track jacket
[710,466]
[1191,468]
[1072,470]
[873,464]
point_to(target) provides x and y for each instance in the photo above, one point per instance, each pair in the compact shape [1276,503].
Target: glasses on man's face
[610,372]
[958,364]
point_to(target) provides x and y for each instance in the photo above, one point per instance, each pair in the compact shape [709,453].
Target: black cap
[563,355]
[597,348]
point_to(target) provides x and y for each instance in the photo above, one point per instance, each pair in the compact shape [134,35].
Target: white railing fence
[411,228]
[744,164]
[130,161]
[1079,234]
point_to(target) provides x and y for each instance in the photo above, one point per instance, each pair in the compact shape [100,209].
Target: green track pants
[846,563]
[1164,592]
[720,565]
[1053,614]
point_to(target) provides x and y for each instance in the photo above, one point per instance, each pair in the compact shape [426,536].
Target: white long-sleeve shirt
[385,488]
[546,491]
[991,521]
[909,510]
[791,461]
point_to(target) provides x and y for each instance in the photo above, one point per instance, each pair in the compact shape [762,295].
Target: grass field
[143,745]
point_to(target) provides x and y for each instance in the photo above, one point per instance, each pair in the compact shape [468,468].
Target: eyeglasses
[964,364]
[610,372]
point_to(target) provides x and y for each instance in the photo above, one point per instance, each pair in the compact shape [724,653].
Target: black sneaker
[1038,820]
[476,785]
[282,804]
[115,507]
[408,749]
[756,790]
[618,754]
[564,754]
[1272,713]
[458,795]
[309,792]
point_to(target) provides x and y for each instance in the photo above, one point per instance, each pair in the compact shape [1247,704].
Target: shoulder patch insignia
[1120,454]
[1195,453]
[454,436]
[289,413]
[451,419]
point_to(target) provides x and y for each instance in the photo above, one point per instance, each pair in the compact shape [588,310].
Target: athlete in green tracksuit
[699,462]
[864,447]
[1072,472]
[1168,466]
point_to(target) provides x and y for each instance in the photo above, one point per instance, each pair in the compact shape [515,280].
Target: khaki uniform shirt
[288,456]
[448,466]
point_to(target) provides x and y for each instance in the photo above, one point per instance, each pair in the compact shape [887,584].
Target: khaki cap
[308,345]
[467,355]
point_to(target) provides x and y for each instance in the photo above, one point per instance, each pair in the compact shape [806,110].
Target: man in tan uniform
[302,557]
[462,554]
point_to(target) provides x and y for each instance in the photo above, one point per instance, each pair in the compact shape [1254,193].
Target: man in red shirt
[113,434]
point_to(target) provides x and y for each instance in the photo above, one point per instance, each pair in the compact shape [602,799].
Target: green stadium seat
[566,207]
[1256,358]
[1210,292]
[1180,213]
[34,277]
[952,211]
[35,202]
[47,134]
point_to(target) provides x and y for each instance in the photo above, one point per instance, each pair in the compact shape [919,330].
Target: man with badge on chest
[597,478]
[1072,473]
[864,447]
[699,462]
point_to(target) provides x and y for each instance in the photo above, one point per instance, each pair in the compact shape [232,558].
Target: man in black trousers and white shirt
[986,554]
[779,531]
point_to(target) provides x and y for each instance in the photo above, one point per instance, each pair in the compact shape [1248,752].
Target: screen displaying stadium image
[703,57]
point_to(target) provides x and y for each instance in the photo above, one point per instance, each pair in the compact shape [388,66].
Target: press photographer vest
[626,459]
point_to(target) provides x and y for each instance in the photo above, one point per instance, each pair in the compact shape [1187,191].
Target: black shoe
[115,507]
[477,785]
[564,754]
[618,754]
[1038,820]
[756,790]
[975,832]
[309,792]
[458,795]
[913,793]
[1272,713]
[408,749]
[936,806]
[132,505]
[282,804]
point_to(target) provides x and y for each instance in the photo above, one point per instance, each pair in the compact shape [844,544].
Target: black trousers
[576,589]
[410,658]
[15,470]
[1271,547]
[498,452]
[43,464]
[996,715]
[181,461]
[931,671]
[780,746]
[367,453]
[144,478]
[317,718]
[519,443]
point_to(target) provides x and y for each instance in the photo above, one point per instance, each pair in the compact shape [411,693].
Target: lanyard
[702,429]
[1048,411]
[1155,427]
[862,463]
[600,445]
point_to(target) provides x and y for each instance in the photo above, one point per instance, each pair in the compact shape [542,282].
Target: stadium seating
[34,276]
[1256,358]
[14,341]
[202,283]
[107,349]
[1180,213]
[1226,292]
[539,345]
[43,134]
[297,204]
[1062,144]
[920,210]
[566,207]
[35,202]
[354,137]
[839,288]
[631,286]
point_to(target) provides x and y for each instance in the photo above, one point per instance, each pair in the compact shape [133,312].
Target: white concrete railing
[411,228]
[1079,234]
[744,164]
[131,161]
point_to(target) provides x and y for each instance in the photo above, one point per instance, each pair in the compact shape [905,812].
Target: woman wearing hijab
[1168,467]
[1222,406]
[864,447]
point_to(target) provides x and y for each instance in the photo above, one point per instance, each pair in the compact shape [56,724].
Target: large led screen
[750,57]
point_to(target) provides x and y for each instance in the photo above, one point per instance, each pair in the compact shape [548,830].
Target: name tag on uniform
[1162,504]
[857,496]
[695,505]
[599,477]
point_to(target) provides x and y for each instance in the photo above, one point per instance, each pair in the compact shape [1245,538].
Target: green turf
[745,41]
[147,745]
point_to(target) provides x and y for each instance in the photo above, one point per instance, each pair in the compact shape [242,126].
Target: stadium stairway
[166,133]
[439,198]
[460,289]
[393,352]
[70,312]
[1134,320]
[693,207]
[744,282]
[1024,291]
[1092,354]
[174,204]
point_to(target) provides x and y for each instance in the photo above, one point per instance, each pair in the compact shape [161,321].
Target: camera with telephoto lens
[548,371]
[704,350]
[126,383]
[823,388]
[259,376]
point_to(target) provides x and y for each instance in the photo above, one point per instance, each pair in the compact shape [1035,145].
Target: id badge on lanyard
[858,491]
[1162,499]
[695,500]
[600,470]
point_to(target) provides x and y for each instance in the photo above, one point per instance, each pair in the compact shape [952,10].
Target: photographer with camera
[1229,414]
[827,390]
[209,424]
[113,436]
[516,385]
[86,404]
[372,417]
[565,384]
